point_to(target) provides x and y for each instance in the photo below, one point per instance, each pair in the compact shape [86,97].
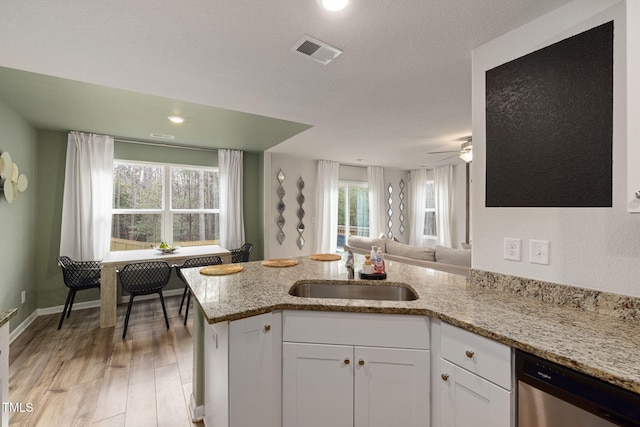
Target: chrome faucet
[349,265]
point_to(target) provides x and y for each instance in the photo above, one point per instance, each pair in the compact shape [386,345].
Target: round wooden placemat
[325,257]
[221,269]
[280,262]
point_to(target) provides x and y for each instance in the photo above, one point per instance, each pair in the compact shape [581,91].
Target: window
[353,210]
[430,211]
[161,202]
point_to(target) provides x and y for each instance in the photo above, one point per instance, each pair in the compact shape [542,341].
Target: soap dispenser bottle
[378,265]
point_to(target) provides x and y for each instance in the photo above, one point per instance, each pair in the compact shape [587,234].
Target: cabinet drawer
[375,330]
[480,355]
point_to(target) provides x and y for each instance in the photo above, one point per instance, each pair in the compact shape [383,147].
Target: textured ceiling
[401,88]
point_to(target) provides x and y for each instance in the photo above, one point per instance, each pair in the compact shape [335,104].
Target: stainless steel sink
[353,290]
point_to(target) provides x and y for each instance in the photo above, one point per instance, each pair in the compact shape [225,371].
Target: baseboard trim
[197,412]
[77,306]
[23,326]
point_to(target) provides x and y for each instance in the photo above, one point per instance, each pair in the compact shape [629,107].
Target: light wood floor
[82,375]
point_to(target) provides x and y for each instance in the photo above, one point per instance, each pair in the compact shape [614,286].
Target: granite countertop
[6,315]
[596,344]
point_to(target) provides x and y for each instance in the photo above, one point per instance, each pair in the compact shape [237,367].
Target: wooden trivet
[221,269]
[280,262]
[325,257]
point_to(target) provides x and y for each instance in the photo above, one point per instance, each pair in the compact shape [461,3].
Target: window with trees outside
[430,211]
[154,203]
[353,210]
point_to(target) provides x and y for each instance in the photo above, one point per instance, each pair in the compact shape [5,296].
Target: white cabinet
[474,382]
[633,105]
[467,399]
[243,372]
[391,387]
[4,373]
[317,385]
[352,369]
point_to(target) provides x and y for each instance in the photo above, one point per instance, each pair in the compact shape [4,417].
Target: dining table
[115,260]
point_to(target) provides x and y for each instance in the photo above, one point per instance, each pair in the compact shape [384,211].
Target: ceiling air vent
[316,50]
[161,136]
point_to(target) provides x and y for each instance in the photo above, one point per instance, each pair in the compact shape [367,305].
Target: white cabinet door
[4,373]
[255,376]
[391,387]
[468,400]
[216,375]
[317,385]
[633,105]
[243,374]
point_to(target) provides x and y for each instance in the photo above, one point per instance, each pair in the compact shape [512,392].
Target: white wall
[393,177]
[591,248]
[293,168]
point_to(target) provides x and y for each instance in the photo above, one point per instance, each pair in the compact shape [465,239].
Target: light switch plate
[539,252]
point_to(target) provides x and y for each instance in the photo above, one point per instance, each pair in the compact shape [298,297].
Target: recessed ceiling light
[333,5]
[176,119]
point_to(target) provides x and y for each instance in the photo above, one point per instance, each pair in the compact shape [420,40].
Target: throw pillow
[453,256]
[410,251]
[366,242]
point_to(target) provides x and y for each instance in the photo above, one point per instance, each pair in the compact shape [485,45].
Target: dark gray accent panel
[549,122]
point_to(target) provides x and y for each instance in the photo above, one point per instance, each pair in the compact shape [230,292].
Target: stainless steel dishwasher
[550,395]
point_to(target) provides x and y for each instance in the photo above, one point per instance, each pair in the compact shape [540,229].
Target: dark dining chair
[242,253]
[77,276]
[193,262]
[144,278]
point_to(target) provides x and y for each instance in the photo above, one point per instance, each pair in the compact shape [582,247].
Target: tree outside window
[159,202]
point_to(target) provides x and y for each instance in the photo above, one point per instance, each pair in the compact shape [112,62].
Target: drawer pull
[361,362]
[346,361]
[267,328]
[445,377]
[469,354]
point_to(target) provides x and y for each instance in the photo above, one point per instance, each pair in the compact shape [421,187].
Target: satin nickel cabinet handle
[361,362]
[469,353]
[267,328]
[445,377]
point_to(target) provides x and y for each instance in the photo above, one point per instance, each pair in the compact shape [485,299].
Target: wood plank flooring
[82,375]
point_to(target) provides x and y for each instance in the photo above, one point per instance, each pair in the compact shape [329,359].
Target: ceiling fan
[465,152]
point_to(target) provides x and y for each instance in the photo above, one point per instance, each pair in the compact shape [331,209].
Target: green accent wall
[252,202]
[52,153]
[18,220]
[150,153]
[51,149]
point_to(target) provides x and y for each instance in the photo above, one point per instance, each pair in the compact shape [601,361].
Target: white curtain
[85,232]
[231,210]
[375,176]
[417,200]
[326,230]
[443,189]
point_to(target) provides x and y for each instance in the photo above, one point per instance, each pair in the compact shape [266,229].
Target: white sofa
[451,260]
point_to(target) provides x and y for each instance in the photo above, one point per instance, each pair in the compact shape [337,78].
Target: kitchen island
[5,317]
[598,345]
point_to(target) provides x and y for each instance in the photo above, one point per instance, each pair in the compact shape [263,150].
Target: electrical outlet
[23,296]
[512,249]
[539,252]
